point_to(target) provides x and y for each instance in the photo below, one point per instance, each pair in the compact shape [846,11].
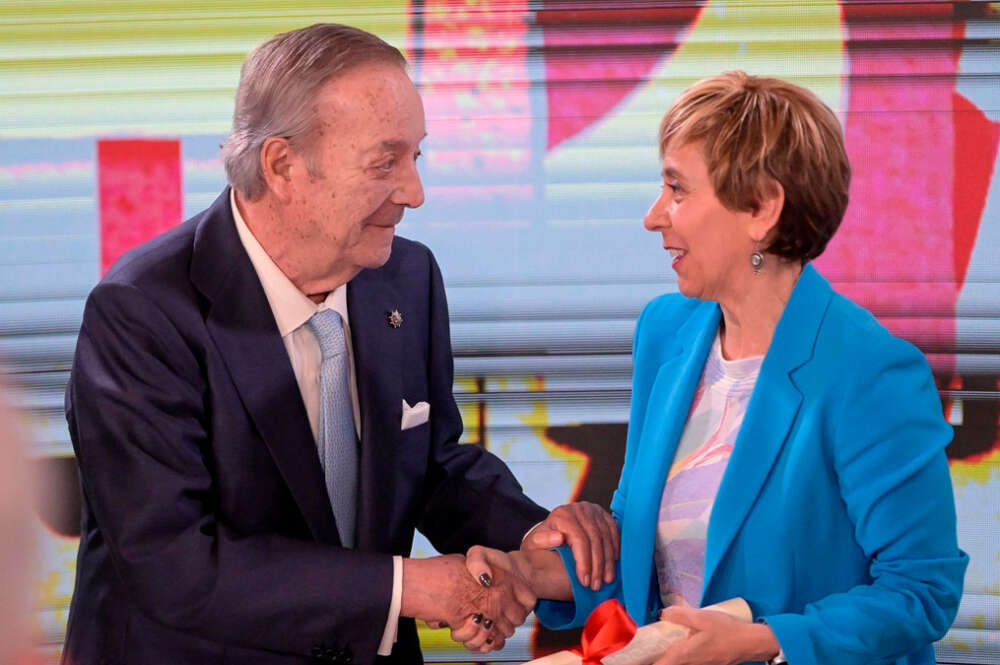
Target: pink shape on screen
[139,192]
[901,139]
[474,79]
[595,57]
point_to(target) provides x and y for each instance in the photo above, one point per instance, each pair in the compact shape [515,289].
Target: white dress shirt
[292,310]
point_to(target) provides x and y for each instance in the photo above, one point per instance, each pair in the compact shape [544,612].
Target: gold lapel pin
[395,318]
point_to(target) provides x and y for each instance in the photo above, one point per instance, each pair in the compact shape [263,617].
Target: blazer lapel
[669,399]
[769,417]
[243,328]
[378,362]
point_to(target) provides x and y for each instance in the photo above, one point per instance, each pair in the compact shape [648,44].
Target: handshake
[483,596]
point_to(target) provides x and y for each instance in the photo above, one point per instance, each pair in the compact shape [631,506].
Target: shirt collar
[291,307]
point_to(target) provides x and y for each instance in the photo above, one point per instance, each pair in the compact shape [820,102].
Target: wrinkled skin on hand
[591,533]
[481,616]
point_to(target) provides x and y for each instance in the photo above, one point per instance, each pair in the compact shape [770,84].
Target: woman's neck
[750,317]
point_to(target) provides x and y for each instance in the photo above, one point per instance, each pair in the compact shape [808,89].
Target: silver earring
[756,259]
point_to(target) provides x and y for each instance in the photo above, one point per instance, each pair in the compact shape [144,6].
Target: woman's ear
[768,211]
[276,163]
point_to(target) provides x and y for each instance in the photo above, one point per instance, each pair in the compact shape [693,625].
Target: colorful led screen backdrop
[540,162]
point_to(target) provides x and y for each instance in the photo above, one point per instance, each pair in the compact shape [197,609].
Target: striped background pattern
[539,164]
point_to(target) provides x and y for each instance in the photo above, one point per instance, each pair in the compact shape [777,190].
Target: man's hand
[590,532]
[440,591]
[481,613]
[510,593]
[716,639]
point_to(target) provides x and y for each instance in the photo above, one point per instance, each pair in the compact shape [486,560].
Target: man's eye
[387,165]
[674,187]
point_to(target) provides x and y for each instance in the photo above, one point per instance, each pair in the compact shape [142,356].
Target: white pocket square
[415,415]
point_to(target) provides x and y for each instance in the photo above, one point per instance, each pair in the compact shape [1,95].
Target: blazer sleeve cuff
[558,615]
[793,638]
[618,500]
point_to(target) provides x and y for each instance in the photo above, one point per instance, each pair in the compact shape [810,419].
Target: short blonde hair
[757,131]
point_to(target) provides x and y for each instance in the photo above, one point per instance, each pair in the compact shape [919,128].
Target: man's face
[370,122]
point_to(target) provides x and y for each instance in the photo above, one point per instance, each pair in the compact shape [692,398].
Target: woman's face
[709,244]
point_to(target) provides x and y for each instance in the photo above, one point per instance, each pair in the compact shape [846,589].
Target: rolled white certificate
[650,641]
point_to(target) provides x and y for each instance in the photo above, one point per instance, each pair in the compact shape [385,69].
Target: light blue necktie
[338,443]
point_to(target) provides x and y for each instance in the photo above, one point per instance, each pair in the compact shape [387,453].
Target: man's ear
[276,163]
[768,211]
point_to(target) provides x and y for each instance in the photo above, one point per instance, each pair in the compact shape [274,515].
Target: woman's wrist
[759,643]
[543,572]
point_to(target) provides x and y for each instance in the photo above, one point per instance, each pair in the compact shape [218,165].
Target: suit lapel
[669,401]
[378,362]
[243,328]
[769,417]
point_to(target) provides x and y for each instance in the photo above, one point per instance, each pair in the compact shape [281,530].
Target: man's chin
[377,256]
[375,246]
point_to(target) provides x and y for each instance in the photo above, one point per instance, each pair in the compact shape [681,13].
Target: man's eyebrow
[394,145]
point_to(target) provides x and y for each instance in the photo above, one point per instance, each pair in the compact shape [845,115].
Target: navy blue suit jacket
[207,534]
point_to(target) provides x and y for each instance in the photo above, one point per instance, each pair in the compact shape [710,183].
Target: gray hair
[278,82]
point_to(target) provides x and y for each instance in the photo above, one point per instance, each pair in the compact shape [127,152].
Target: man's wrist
[415,602]
[529,532]
[437,588]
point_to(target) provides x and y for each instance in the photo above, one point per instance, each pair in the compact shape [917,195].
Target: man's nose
[410,191]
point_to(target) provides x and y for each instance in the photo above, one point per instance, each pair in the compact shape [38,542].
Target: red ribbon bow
[608,629]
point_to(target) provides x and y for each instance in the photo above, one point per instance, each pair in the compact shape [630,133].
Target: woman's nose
[656,217]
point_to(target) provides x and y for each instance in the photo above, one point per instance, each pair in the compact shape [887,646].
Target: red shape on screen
[899,12]
[139,192]
[614,48]
[976,140]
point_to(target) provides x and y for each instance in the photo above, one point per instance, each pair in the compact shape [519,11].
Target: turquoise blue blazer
[835,518]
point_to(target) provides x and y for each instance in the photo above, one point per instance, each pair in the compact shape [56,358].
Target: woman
[783,447]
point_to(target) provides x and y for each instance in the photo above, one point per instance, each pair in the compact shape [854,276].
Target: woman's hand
[717,639]
[508,575]
[541,571]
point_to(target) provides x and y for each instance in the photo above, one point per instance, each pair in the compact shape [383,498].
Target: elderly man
[261,403]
